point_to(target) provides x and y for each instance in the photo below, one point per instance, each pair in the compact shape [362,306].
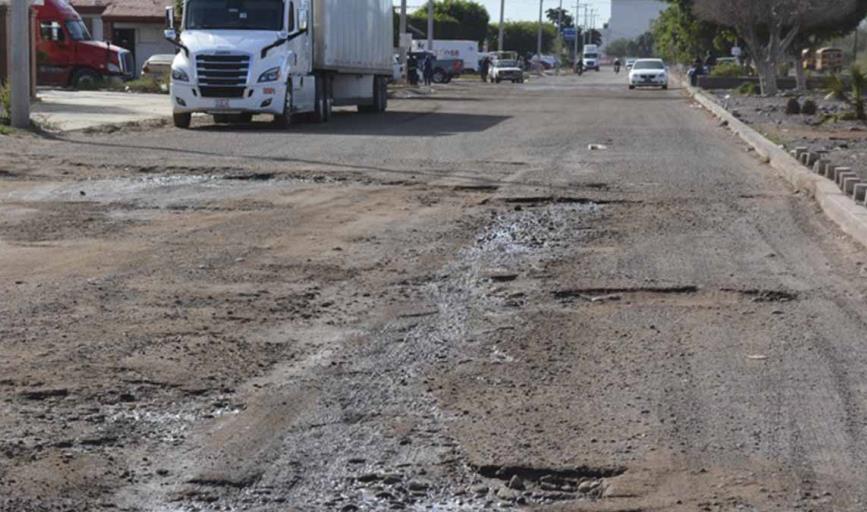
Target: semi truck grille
[127,64]
[222,71]
[221,92]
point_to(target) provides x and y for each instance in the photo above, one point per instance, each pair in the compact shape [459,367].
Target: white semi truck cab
[292,59]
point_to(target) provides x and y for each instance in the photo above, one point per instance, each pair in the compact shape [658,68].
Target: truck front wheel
[284,120]
[182,120]
[85,79]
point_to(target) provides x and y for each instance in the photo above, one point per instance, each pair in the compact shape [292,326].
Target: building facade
[631,18]
[136,25]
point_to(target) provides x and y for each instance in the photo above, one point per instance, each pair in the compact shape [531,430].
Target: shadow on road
[395,124]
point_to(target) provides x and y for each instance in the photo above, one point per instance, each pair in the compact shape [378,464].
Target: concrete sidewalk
[64,110]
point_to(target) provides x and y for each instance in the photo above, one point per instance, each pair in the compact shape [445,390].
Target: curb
[825,186]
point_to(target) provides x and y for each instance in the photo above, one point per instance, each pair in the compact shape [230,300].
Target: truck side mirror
[302,19]
[170,34]
[170,18]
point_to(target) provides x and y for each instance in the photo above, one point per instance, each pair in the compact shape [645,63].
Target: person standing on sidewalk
[428,70]
[484,68]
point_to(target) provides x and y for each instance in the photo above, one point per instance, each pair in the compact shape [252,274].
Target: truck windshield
[78,30]
[591,55]
[234,15]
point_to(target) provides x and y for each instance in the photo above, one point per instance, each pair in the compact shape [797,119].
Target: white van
[467,51]
[590,56]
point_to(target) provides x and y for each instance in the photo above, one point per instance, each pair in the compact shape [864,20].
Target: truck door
[55,54]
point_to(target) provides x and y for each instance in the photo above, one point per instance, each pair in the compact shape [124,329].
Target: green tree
[454,19]
[562,15]
[520,36]
[680,36]
[619,48]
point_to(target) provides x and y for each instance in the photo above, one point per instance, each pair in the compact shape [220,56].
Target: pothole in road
[648,293]
[547,484]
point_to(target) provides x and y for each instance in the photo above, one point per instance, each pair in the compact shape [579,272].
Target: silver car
[158,66]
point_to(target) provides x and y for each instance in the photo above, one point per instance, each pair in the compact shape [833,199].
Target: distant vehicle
[68,55]
[444,70]
[648,73]
[447,49]
[590,56]
[824,60]
[629,62]
[548,61]
[288,59]
[158,66]
[503,69]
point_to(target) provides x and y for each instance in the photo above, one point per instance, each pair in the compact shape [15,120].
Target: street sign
[569,33]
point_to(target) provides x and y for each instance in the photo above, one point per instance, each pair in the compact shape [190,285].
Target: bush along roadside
[5,102]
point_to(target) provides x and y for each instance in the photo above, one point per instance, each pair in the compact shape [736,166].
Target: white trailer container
[293,59]
[467,51]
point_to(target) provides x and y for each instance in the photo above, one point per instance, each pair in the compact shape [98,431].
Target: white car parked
[648,73]
[506,70]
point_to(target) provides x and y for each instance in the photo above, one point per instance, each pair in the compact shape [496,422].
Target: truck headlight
[272,75]
[180,75]
[113,68]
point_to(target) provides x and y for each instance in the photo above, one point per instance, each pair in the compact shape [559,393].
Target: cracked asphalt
[455,306]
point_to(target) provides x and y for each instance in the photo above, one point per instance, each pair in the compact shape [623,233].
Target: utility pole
[402,40]
[430,24]
[539,37]
[19,69]
[577,17]
[502,28]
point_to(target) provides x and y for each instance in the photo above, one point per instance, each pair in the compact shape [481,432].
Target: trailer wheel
[322,104]
[85,79]
[182,120]
[380,97]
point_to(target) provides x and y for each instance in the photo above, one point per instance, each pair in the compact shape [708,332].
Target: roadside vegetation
[5,106]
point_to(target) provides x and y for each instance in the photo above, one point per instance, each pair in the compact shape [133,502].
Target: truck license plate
[222,103]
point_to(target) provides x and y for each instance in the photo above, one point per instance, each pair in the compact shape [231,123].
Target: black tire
[498,80]
[664,87]
[631,87]
[383,95]
[86,79]
[284,121]
[380,97]
[182,120]
[320,104]
[439,76]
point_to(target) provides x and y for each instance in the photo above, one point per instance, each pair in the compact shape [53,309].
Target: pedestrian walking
[484,68]
[428,70]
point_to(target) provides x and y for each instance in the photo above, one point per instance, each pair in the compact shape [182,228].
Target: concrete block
[800,150]
[859,192]
[812,158]
[819,167]
[841,177]
[835,172]
[849,184]
[827,167]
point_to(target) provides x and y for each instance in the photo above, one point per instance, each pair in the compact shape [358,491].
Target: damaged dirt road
[454,306]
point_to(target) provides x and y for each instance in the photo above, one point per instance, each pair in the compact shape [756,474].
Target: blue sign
[569,33]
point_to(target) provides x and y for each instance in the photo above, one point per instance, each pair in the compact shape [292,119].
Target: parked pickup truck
[444,70]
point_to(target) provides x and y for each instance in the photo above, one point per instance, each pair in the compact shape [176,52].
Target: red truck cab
[66,55]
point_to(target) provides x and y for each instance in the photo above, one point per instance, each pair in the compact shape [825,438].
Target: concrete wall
[631,18]
[4,43]
[722,82]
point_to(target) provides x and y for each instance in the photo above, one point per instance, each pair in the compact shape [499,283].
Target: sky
[529,9]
